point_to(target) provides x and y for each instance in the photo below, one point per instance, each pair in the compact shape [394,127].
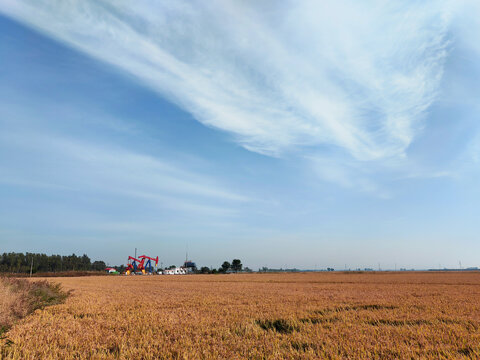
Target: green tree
[85,262]
[98,265]
[225,266]
[205,270]
[236,265]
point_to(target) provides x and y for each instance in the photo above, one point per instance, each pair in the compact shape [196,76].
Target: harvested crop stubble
[259,316]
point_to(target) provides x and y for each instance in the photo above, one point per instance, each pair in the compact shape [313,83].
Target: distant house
[111,270]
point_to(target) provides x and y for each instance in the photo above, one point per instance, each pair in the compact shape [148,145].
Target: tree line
[226,267]
[21,263]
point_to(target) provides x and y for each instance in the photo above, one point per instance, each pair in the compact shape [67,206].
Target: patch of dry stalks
[258,316]
[11,305]
[19,297]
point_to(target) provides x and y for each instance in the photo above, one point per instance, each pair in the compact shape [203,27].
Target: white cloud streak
[63,164]
[280,77]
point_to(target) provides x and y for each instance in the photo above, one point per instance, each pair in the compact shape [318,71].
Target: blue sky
[283,133]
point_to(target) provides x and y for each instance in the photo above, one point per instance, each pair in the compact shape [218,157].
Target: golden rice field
[258,316]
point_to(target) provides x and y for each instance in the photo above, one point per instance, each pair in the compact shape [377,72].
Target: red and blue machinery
[135,265]
[148,265]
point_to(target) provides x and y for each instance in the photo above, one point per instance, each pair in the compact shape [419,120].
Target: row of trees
[226,267]
[21,263]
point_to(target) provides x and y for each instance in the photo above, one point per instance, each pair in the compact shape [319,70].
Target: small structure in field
[189,266]
[175,271]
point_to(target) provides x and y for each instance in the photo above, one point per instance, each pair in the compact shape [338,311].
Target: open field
[258,316]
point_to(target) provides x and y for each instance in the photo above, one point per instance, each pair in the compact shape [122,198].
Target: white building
[175,271]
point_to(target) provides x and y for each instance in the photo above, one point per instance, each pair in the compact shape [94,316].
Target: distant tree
[98,265]
[85,262]
[204,270]
[225,266]
[236,265]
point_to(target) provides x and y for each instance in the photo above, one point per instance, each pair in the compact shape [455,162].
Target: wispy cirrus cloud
[59,163]
[283,78]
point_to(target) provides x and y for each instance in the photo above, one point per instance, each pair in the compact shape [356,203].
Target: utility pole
[31,267]
[135,253]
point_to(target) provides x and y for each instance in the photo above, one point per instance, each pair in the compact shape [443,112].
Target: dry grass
[11,306]
[19,297]
[259,316]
